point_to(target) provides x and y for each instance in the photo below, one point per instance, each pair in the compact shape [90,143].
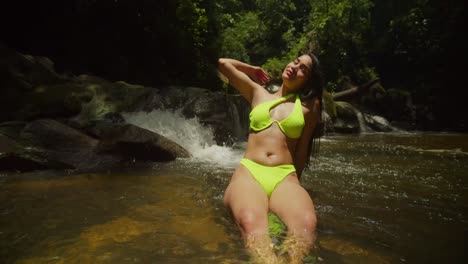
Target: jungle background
[415,48]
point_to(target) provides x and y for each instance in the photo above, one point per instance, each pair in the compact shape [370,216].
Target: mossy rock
[329,105]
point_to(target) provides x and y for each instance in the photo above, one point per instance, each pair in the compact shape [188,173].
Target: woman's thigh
[245,194]
[292,203]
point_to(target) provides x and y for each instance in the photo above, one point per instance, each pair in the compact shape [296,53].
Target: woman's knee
[304,222]
[252,220]
[310,220]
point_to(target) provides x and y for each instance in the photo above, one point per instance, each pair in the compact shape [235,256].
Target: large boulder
[31,90]
[138,143]
[212,109]
[53,135]
[49,144]
[26,161]
[7,144]
[347,119]
[227,115]
[14,157]
[12,129]
[57,143]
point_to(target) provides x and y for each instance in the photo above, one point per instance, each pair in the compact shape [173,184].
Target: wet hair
[314,84]
[313,88]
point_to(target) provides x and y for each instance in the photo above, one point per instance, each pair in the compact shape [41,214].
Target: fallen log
[354,91]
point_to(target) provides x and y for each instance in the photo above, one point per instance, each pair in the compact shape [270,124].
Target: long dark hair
[314,89]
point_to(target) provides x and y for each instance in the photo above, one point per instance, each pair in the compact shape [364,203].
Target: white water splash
[189,133]
[362,122]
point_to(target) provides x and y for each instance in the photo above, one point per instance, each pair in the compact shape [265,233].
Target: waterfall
[187,132]
[361,121]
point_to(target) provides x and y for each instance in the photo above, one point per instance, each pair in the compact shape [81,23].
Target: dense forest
[414,47]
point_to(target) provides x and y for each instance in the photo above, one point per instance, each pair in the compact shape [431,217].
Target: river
[380,198]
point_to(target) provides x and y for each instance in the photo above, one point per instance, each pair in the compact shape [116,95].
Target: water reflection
[380,199]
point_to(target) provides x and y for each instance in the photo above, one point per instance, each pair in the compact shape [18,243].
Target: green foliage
[195,20]
[260,30]
[275,32]
[276,227]
[196,40]
[339,29]
[243,33]
[415,45]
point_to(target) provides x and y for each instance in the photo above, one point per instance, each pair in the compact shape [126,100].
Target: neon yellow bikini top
[291,126]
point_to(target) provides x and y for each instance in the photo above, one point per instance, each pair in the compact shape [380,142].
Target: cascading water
[189,133]
[362,122]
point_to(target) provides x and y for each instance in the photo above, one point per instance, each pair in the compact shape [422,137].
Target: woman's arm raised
[244,77]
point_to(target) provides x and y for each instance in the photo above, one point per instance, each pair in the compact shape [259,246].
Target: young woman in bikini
[281,130]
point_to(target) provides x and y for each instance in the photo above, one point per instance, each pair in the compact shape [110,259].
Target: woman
[281,129]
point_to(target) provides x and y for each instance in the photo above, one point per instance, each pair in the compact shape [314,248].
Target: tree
[339,29]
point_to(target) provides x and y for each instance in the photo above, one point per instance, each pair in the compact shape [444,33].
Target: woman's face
[297,72]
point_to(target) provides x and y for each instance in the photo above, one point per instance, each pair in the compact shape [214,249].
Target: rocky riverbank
[61,121]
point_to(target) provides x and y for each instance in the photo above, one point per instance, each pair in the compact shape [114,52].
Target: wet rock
[329,106]
[7,144]
[62,146]
[138,143]
[53,135]
[107,97]
[377,123]
[49,144]
[15,157]
[213,109]
[32,89]
[113,117]
[352,120]
[12,129]
[346,121]
[24,161]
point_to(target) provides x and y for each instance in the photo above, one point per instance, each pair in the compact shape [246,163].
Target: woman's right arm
[244,77]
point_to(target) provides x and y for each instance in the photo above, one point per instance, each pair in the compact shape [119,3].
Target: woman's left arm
[312,117]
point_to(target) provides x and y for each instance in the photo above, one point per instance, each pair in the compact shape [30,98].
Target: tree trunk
[353,91]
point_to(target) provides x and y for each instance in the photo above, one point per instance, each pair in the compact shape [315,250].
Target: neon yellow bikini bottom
[268,177]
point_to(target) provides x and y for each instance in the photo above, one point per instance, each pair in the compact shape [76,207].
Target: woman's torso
[271,146]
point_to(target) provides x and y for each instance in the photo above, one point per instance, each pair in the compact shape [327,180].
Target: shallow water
[380,198]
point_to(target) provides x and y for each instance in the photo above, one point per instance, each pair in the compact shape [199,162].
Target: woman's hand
[244,77]
[259,75]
